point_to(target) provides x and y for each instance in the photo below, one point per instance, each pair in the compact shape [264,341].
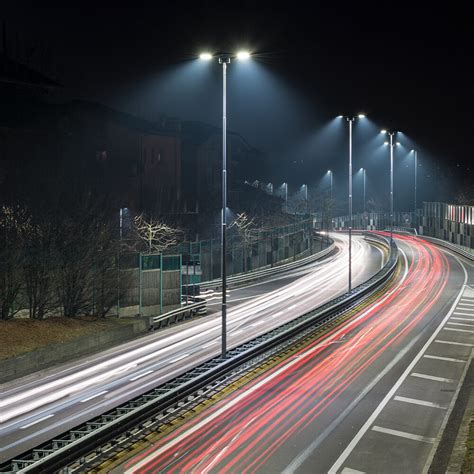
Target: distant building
[202,164]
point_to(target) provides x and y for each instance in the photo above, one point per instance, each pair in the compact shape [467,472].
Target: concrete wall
[53,354]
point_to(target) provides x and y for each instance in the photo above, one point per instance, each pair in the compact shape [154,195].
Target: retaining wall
[53,354]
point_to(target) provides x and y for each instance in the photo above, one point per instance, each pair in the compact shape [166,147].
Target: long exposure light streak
[243,432]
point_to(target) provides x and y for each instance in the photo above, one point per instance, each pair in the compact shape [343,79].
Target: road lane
[70,394]
[304,413]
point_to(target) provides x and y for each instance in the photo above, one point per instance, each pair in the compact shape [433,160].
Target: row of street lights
[225,60]
[392,144]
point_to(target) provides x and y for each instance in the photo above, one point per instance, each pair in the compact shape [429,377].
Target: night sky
[408,66]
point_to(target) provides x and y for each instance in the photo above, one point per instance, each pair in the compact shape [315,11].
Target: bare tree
[15,225]
[86,259]
[246,229]
[39,267]
[152,235]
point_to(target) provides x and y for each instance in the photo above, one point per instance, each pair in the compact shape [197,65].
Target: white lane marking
[415,401]
[239,331]
[211,417]
[209,344]
[171,361]
[463,312]
[463,319]
[448,359]
[350,447]
[258,323]
[257,386]
[348,470]
[458,330]
[454,343]
[298,460]
[292,306]
[141,375]
[403,434]
[36,421]
[466,304]
[277,314]
[467,298]
[94,396]
[431,377]
[462,324]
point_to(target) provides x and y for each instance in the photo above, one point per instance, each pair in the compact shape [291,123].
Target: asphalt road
[36,408]
[372,395]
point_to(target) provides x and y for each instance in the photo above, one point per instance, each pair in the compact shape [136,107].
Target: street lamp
[392,145]
[415,153]
[364,177]
[330,184]
[306,196]
[350,120]
[224,59]
[286,196]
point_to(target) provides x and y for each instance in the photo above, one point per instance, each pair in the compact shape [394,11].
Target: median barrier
[86,441]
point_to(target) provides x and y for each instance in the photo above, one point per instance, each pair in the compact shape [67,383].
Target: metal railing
[179,314]
[89,437]
[268,271]
[455,248]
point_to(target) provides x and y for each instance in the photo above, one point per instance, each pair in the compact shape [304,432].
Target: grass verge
[19,336]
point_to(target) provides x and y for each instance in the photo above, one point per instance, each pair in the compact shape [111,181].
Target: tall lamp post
[364,171]
[392,145]
[286,196]
[330,184]
[224,59]
[415,153]
[350,120]
[306,197]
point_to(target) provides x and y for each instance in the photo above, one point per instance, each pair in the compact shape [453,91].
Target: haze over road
[371,395]
[36,408]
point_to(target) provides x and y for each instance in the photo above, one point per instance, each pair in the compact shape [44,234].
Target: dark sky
[407,65]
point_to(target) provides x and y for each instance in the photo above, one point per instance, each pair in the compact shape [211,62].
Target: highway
[36,408]
[371,395]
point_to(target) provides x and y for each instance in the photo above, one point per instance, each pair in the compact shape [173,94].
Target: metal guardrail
[90,436]
[179,314]
[455,248]
[257,274]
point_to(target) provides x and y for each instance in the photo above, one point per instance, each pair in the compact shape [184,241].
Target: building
[202,164]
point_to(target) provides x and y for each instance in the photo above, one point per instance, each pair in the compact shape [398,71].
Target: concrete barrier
[53,354]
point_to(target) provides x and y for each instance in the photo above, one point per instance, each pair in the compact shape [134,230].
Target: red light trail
[243,431]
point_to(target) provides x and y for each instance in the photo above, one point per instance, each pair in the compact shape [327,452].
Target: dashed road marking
[462,324]
[403,434]
[141,375]
[431,377]
[177,358]
[39,420]
[448,359]
[458,330]
[454,343]
[209,344]
[463,319]
[94,396]
[415,401]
